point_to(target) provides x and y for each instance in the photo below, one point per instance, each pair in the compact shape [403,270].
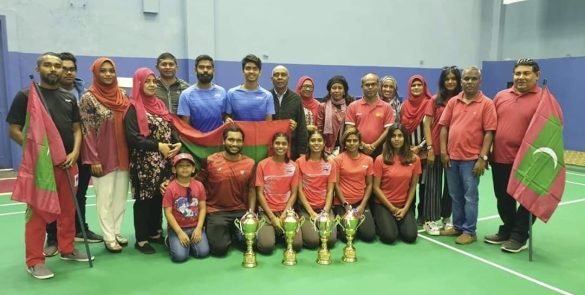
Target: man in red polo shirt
[371,116]
[515,108]
[467,126]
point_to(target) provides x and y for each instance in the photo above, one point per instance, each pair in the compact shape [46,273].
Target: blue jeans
[179,253]
[463,188]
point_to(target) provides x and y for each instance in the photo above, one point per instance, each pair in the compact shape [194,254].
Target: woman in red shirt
[317,175]
[354,183]
[396,173]
[277,179]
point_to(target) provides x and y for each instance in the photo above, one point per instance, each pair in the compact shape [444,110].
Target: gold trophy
[324,224]
[291,225]
[249,225]
[349,222]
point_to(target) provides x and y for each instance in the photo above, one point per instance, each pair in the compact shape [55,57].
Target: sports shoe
[158,240]
[91,237]
[514,246]
[495,239]
[431,228]
[122,240]
[450,232]
[50,249]
[40,271]
[465,239]
[76,256]
[446,223]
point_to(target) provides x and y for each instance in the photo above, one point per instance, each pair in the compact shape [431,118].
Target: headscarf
[310,103]
[391,78]
[328,123]
[143,103]
[413,109]
[112,97]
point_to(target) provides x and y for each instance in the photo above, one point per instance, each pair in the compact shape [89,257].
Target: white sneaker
[431,228]
[447,223]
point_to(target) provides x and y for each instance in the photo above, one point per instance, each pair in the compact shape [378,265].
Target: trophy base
[289,258]
[249,260]
[349,255]
[324,258]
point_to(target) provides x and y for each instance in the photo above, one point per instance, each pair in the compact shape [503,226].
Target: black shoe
[91,237]
[145,249]
[158,240]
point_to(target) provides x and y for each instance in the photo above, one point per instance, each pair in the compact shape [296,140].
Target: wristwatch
[484,157]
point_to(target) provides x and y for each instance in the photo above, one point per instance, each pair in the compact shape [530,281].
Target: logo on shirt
[242,172]
[326,168]
[259,97]
[378,114]
[358,114]
[182,205]
[365,166]
[289,170]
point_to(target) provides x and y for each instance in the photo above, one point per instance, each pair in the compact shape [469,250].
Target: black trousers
[366,232]
[147,217]
[220,230]
[82,184]
[514,216]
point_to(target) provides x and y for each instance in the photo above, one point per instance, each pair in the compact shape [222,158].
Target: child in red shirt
[396,174]
[184,207]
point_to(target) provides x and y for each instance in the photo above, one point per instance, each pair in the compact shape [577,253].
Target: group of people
[371,154]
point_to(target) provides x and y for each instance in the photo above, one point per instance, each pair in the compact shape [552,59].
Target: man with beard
[73,85]
[169,87]
[287,105]
[64,111]
[249,101]
[202,104]
[230,186]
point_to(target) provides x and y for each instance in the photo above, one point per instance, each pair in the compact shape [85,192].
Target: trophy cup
[349,222]
[291,225]
[249,225]
[323,224]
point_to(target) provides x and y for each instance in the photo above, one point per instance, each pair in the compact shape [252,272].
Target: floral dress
[148,169]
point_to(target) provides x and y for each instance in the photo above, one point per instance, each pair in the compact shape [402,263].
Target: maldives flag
[43,149]
[538,175]
[257,137]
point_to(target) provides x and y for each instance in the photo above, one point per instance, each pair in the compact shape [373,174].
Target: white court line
[22,212]
[498,266]
[577,183]
[573,173]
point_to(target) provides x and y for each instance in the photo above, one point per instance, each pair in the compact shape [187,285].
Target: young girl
[277,179]
[436,196]
[354,183]
[184,207]
[396,173]
[316,188]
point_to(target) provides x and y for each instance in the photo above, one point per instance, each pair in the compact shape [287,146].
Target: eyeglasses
[450,68]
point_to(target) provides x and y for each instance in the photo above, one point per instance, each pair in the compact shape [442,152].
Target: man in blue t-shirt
[202,105]
[249,101]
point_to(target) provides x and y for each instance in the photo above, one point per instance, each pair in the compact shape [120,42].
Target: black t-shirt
[62,108]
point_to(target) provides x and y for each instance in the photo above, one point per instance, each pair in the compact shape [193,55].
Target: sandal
[112,246]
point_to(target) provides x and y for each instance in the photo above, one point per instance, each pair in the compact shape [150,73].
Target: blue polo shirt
[249,105]
[205,107]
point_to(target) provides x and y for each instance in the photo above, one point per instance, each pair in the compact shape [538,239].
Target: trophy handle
[261,222]
[301,221]
[362,219]
[238,224]
[338,221]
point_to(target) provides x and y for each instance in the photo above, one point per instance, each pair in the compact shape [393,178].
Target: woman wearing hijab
[102,110]
[331,113]
[151,140]
[412,113]
[305,88]
[389,93]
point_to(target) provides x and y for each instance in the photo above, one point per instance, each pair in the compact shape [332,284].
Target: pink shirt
[435,113]
[370,120]
[467,125]
[277,179]
[315,177]
[395,179]
[186,213]
[515,111]
[352,176]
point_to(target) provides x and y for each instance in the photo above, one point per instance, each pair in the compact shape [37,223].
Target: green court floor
[433,265]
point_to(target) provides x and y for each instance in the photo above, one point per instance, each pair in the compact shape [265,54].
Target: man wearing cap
[230,187]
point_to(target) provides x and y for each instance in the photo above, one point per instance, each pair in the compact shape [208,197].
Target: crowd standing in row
[372,154]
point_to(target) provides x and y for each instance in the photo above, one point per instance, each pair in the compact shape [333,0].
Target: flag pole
[530,217]
[71,186]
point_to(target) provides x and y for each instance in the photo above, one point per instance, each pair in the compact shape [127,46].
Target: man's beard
[50,79]
[227,150]
[204,78]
